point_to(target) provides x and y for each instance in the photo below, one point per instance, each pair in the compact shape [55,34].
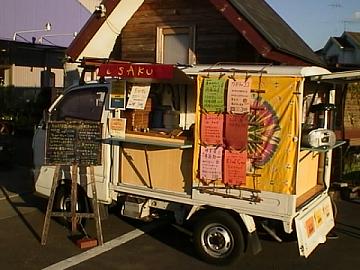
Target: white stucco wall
[103,41]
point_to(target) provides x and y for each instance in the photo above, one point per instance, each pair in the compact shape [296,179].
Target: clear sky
[316,20]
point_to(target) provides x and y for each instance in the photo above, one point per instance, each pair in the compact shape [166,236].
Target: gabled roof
[30,54]
[348,40]
[343,42]
[273,37]
[354,36]
[260,25]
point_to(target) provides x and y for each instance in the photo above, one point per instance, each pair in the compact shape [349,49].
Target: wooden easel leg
[74,198]
[96,207]
[50,206]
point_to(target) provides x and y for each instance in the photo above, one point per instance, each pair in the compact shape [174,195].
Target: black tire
[62,203]
[334,207]
[218,238]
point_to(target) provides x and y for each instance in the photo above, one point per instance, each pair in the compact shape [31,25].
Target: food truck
[221,147]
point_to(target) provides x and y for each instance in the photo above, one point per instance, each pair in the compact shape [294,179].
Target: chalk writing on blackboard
[238,96]
[213,95]
[235,167]
[211,131]
[211,163]
[73,142]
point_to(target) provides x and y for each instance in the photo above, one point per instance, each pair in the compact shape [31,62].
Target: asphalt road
[136,245]
[127,246]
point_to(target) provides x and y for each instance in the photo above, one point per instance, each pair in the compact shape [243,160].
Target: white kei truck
[228,149]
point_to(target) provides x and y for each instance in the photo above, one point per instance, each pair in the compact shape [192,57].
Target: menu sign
[235,167]
[73,142]
[138,97]
[212,129]
[211,163]
[117,127]
[213,95]
[238,97]
[236,131]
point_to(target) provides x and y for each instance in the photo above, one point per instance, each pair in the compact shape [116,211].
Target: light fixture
[100,10]
[44,37]
[45,29]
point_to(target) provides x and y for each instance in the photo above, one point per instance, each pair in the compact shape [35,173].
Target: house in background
[29,75]
[342,53]
[32,56]
[191,32]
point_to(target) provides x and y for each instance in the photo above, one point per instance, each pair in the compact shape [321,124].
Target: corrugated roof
[275,30]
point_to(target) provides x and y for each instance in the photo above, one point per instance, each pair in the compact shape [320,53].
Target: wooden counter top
[151,138]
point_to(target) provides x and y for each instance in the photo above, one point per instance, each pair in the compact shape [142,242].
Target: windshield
[81,103]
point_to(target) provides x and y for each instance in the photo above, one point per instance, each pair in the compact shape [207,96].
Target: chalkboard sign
[73,142]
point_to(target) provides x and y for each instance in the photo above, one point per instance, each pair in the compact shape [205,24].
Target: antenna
[336,5]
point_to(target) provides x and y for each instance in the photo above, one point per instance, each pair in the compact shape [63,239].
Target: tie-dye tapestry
[272,133]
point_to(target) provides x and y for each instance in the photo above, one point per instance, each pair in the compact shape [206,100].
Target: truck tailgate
[313,224]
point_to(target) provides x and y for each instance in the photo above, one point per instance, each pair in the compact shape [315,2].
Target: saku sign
[128,70]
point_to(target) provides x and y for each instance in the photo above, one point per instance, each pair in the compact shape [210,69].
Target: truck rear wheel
[218,238]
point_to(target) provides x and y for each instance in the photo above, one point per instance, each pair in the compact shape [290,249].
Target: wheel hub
[217,240]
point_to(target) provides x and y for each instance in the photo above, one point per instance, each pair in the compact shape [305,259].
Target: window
[176,45]
[83,104]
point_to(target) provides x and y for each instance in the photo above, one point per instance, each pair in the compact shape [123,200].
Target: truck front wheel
[218,238]
[62,202]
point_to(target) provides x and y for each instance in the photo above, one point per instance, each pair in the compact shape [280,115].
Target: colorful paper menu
[236,131]
[238,96]
[235,167]
[211,131]
[210,163]
[213,95]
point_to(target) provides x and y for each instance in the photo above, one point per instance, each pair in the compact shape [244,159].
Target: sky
[66,18]
[315,21]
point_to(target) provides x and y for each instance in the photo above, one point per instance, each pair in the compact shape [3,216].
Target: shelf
[323,148]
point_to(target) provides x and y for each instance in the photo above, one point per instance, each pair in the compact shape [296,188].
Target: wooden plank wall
[216,39]
[352,114]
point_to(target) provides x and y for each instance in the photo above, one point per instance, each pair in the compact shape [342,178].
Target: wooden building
[189,32]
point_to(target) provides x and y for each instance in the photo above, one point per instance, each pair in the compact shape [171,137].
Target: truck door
[84,103]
